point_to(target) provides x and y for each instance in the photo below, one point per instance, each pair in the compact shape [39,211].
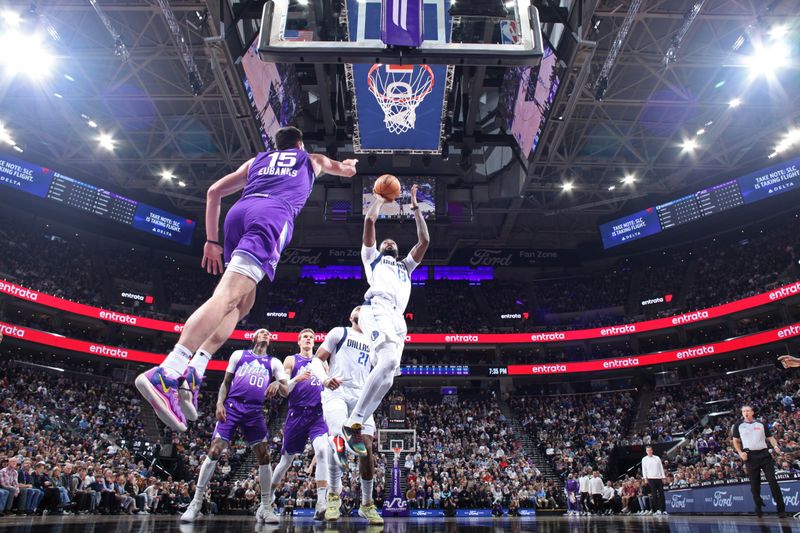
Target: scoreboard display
[52,185]
[397,414]
[732,194]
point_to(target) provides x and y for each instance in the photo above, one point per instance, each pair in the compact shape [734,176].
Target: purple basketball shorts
[260,228]
[249,418]
[302,424]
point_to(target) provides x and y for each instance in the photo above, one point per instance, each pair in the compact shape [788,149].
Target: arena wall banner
[671,356]
[736,498]
[667,356]
[780,293]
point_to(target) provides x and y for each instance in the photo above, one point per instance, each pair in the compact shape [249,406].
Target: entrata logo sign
[783,292]
[618,330]
[548,369]
[118,317]
[13,331]
[545,337]
[281,314]
[19,292]
[517,316]
[138,297]
[621,363]
[461,338]
[667,298]
[790,331]
[107,351]
[695,352]
[688,318]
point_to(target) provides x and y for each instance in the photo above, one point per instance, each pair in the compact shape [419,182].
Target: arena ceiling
[648,111]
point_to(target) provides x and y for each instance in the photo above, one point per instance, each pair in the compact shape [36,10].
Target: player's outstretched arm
[212,251]
[789,361]
[423,238]
[370,217]
[325,165]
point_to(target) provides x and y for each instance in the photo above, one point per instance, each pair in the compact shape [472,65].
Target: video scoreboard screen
[47,183]
[731,194]
[397,413]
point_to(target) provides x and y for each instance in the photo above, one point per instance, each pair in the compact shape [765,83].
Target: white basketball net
[399,91]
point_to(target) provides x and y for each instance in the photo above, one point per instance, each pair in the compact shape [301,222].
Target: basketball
[387,186]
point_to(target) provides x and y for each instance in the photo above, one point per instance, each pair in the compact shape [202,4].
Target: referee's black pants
[757,461]
[657,495]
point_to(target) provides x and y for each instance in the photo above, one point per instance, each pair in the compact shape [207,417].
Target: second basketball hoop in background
[399,90]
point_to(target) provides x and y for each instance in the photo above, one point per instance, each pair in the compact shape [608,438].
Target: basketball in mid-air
[387,186]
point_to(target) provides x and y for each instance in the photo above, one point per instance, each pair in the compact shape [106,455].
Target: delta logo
[667,298]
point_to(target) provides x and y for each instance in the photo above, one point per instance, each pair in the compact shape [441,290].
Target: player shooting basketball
[381,315]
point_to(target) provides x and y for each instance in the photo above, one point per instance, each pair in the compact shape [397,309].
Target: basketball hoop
[399,90]
[397,451]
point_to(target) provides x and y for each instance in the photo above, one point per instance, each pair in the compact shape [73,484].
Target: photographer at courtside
[750,441]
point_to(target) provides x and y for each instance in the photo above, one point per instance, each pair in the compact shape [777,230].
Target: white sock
[366,491]
[265,479]
[334,478]
[200,361]
[322,496]
[176,362]
[206,471]
[281,469]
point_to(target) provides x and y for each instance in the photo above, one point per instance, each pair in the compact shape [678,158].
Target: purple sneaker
[189,391]
[161,392]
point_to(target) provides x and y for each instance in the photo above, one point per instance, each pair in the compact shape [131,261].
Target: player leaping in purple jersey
[305,421]
[258,227]
[240,404]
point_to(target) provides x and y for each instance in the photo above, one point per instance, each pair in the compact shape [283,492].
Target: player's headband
[257,332]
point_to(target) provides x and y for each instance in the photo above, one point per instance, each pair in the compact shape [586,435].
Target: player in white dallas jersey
[347,351]
[381,315]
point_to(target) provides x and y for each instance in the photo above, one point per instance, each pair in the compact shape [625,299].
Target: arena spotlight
[567,186]
[25,52]
[689,145]
[629,179]
[612,187]
[778,32]
[106,141]
[766,59]
[11,17]
[789,140]
[181,183]
[167,175]
[736,102]
[700,131]
[5,136]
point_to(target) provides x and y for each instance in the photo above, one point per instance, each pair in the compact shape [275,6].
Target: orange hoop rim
[399,99]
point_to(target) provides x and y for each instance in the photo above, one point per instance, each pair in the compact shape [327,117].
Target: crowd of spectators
[577,431]
[467,455]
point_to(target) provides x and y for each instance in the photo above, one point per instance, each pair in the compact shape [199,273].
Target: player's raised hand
[414,189]
[222,414]
[272,390]
[350,162]
[212,258]
[789,361]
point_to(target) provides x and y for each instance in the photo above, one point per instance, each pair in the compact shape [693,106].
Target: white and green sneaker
[332,513]
[370,512]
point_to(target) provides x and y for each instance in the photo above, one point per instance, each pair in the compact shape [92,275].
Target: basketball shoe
[370,512]
[188,392]
[161,391]
[354,440]
[339,451]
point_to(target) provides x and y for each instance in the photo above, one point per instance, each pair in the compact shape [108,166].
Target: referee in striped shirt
[750,441]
